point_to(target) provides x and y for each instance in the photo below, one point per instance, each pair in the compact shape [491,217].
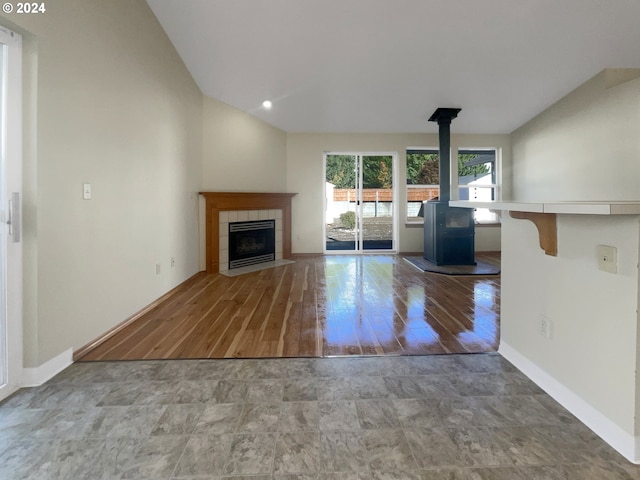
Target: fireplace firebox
[251,243]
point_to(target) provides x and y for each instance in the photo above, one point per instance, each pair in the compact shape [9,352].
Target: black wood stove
[449,233]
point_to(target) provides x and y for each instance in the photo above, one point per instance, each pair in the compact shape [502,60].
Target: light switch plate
[86,191]
[607,258]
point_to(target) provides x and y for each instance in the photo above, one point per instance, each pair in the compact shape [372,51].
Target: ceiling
[383,66]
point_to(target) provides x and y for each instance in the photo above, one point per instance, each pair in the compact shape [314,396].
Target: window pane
[476,193]
[415,197]
[476,167]
[484,215]
[476,180]
[422,167]
[423,179]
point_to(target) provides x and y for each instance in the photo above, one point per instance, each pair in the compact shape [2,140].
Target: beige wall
[304,176]
[241,152]
[108,102]
[584,147]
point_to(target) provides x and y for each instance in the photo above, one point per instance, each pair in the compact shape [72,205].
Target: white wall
[594,315]
[241,152]
[584,147]
[110,103]
[304,176]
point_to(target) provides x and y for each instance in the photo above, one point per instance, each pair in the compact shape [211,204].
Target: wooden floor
[320,306]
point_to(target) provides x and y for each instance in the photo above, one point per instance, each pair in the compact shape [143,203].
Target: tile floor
[384,418]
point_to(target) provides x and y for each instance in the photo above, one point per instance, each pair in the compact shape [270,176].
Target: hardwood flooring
[317,306]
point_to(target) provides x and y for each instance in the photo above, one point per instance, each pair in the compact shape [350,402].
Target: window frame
[409,220]
[495,178]
[496,185]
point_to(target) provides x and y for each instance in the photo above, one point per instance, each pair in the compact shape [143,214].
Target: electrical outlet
[157,269]
[607,258]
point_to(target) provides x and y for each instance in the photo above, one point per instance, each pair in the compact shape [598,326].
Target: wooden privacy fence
[384,194]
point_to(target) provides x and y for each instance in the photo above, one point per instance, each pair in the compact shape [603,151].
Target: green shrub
[348,220]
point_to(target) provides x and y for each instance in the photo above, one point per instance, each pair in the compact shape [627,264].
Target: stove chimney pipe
[444,116]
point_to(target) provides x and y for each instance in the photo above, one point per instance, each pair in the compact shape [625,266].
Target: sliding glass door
[360,203]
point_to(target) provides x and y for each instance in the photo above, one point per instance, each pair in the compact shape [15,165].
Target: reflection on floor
[320,306]
[458,417]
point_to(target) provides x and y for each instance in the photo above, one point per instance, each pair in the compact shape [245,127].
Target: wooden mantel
[221,201]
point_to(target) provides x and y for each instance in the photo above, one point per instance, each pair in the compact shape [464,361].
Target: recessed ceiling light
[267,104]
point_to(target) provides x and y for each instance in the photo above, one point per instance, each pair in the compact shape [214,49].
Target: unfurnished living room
[320,240]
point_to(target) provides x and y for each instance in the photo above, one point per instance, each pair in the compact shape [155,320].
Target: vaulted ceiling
[386,65]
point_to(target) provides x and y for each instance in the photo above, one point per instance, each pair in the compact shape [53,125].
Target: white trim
[32,377]
[7,389]
[11,163]
[625,443]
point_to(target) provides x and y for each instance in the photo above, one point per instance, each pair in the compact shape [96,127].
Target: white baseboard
[6,390]
[32,377]
[626,444]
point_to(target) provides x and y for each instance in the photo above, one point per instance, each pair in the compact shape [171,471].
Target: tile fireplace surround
[225,207]
[225,218]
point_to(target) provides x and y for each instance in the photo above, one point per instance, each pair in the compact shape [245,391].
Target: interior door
[360,203]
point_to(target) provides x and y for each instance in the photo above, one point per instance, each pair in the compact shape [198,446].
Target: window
[477,180]
[423,178]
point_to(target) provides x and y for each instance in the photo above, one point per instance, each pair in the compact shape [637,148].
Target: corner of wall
[241,152]
[617,76]
[33,377]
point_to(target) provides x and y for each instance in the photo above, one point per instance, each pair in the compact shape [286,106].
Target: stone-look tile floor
[386,418]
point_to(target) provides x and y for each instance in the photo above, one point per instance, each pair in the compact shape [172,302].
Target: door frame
[11,164]
[395,204]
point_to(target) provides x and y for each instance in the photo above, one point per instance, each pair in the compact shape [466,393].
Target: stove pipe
[444,116]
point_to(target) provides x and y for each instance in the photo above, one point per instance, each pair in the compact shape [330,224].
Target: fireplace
[251,243]
[221,208]
[250,219]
